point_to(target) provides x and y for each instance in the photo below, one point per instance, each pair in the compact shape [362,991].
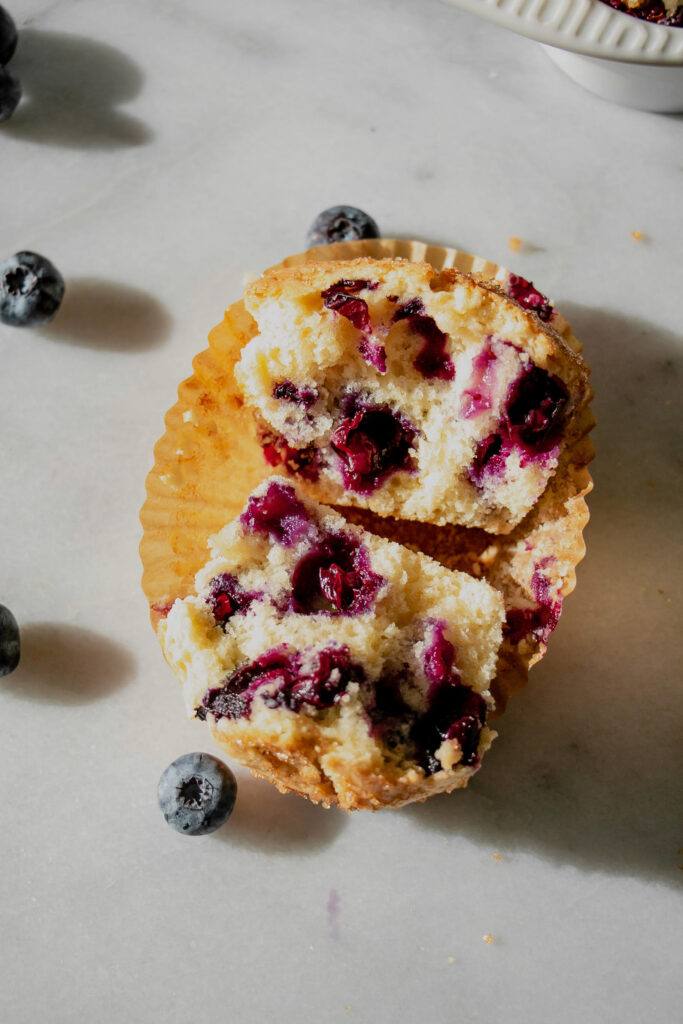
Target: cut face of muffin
[337,664]
[385,385]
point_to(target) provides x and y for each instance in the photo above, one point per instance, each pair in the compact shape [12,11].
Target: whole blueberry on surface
[197,794]
[31,290]
[8,36]
[341,224]
[10,94]
[9,642]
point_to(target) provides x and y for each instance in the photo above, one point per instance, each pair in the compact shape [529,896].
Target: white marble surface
[164,149]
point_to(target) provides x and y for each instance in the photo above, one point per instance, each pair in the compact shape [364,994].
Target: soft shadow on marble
[63,664]
[71,90]
[267,821]
[102,314]
[588,770]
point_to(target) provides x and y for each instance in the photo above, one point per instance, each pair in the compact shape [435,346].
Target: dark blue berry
[10,94]
[31,290]
[341,224]
[8,37]
[9,642]
[197,794]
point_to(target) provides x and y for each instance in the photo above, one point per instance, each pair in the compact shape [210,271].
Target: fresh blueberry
[197,794]
[31,290]
[10,94]
[8,37]
[341,224]
[9,642]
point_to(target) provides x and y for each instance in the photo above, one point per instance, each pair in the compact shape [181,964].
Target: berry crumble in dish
[424,395]
[662,12]
[335,663]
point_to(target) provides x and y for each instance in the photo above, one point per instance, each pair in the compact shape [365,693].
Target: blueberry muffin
[337,664]
[429,396]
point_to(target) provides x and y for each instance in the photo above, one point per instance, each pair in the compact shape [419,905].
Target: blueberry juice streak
[431,361]
[342,298]
[480,392]
[535,623]
[335,577]
[278,514]
[371,442]
[227,598]
[284,680]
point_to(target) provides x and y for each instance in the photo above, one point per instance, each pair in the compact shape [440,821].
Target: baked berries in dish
[337,664]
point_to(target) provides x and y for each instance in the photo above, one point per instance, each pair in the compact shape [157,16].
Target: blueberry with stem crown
[8,36]
[10,94]
[197,794]
[9,642]
[31,290]
[341,224]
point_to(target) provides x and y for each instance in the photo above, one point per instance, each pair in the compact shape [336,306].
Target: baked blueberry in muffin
[338,664]
[429,396]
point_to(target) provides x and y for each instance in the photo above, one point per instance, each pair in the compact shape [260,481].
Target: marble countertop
[163,150]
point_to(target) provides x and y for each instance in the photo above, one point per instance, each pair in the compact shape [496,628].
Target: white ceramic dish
[617,56]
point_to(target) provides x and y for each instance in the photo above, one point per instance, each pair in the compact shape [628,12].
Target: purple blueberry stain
[335,577]
[534,411]
[490,459]
[535,404]
[374,354]
[432,360]
[372,442]
[536,623]
[278,513]
[310,679]
[455,713]
[227,598]
[342,298]
[304,462]
[286,391]
[439,656]
[233,699]
[478,396]
[333,914]
[523,291]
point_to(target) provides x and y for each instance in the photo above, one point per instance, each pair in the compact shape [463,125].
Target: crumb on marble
[514,243]
[497,856]
[636,235]
[451,959]
[488,939]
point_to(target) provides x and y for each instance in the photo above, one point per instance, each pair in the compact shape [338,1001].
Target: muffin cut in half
[337,664]
[431,396]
